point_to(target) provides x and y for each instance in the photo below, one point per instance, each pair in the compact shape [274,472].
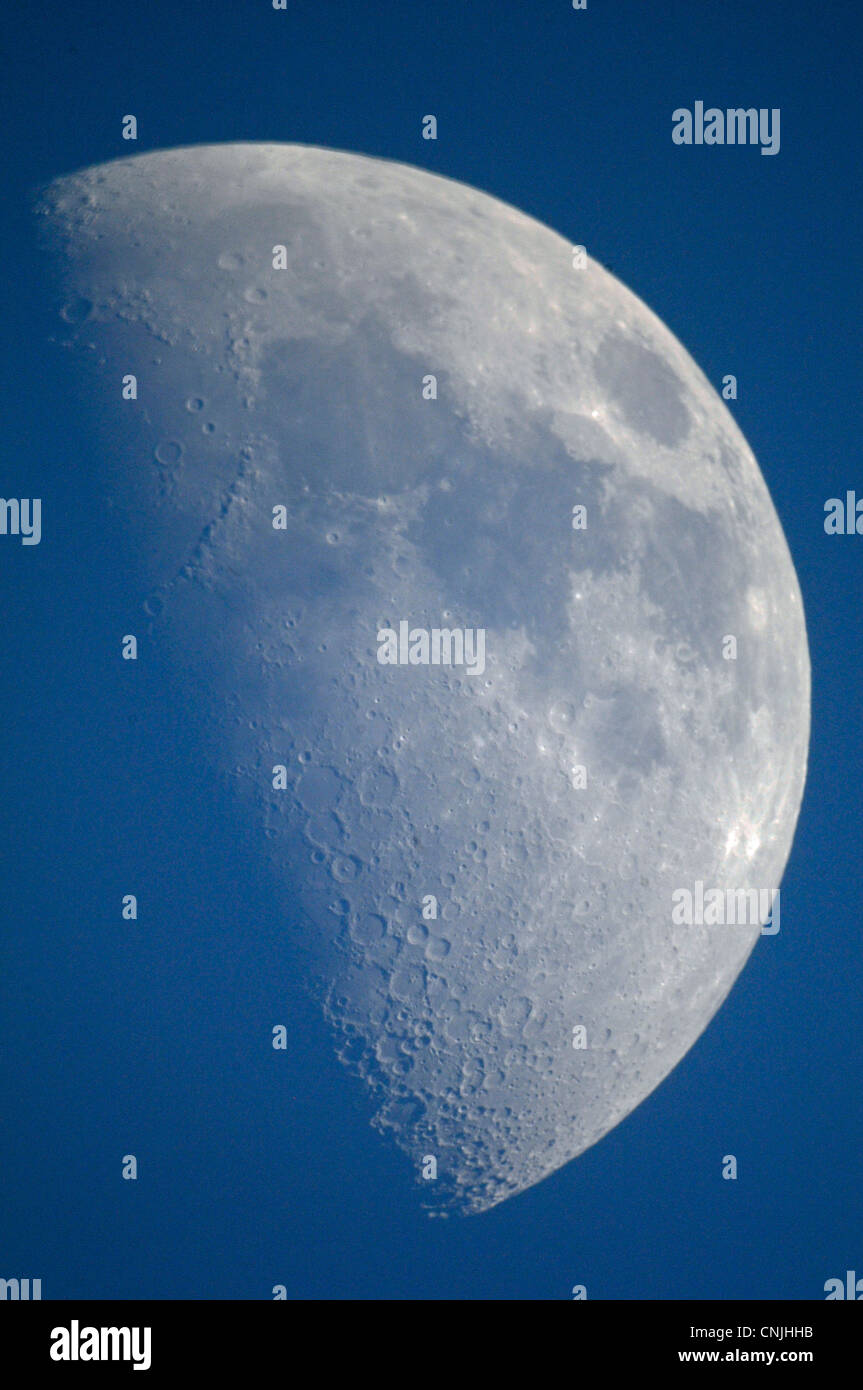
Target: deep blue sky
[115,1044]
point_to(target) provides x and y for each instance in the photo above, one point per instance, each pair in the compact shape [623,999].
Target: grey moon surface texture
[474,863]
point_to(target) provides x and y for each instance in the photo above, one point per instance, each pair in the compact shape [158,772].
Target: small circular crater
[76,310]
[369,929]
[345,868]
[561,716]
[168,452]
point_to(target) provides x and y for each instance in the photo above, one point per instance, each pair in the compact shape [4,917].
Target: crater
[644,388]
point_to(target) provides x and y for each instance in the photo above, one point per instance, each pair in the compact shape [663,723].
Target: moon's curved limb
[609,753]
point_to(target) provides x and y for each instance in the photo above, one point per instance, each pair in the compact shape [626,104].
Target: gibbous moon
[371,401]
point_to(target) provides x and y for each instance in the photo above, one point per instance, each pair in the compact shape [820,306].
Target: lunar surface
[477,860]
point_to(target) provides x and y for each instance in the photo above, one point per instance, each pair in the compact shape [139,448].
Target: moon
[333,395]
